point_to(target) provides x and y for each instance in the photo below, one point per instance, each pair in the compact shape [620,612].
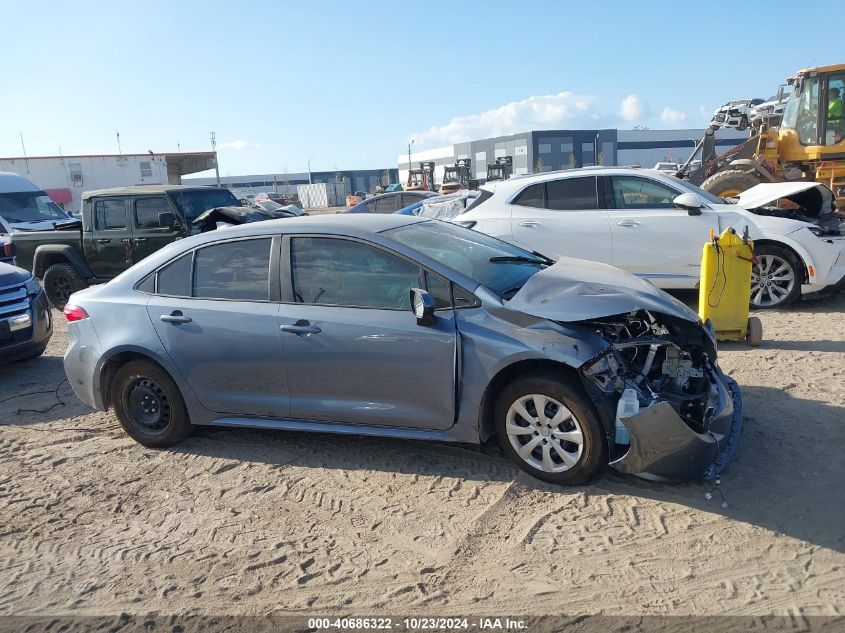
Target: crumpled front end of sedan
[687,414]
[668,411]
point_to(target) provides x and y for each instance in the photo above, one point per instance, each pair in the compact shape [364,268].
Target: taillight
[8,249]
[74,313]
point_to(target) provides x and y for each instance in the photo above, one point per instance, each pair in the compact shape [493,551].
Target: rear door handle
[628,223]
[529,224]
[175,317]
[301,327]
[140,240]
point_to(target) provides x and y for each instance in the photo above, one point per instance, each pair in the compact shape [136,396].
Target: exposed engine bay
[660,357]
[810,202]
[831,224]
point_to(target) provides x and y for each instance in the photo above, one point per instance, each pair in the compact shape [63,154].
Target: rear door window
[533,196]
[387,204]
[572,194]
[237,270]
[175,278]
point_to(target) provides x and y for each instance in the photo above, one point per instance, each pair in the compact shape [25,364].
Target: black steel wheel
[149,406]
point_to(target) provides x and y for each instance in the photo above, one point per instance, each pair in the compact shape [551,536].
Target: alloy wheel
[544,433]
[61,288]
[772,279]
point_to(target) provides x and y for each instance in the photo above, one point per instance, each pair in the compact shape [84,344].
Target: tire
[61,281]
[743,123]
[149,406]
[754,333]
[583,461]
[731,182]
[770,277]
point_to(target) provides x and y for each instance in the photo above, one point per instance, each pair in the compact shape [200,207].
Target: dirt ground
[244,522]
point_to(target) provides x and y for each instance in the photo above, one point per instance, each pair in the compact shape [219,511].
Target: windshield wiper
[518,259]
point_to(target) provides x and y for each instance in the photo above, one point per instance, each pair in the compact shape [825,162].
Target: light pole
[309,171]
[410,145]
[214,149]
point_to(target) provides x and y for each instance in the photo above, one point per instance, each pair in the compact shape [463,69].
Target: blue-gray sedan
[397,326]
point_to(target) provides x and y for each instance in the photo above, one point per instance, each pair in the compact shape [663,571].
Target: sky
[347,85]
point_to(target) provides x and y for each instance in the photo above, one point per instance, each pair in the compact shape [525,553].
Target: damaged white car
[654,226]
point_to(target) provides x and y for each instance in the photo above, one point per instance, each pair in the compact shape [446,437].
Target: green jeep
[119,227]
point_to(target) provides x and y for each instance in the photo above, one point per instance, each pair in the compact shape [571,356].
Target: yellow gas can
[725,289]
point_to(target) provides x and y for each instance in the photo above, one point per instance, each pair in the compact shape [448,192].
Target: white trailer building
[64,178]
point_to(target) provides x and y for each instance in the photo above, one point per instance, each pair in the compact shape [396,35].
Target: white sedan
[655,225]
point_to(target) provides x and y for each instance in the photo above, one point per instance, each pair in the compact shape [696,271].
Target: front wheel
[149,406]
[775,278]
[550,430]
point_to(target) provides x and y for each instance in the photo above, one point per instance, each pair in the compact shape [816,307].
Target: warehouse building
[548,150]
[353,179]
[65,178]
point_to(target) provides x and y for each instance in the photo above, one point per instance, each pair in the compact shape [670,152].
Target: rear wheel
[732,182]
[550,430]
[60,282]
[776,277]
[149,406]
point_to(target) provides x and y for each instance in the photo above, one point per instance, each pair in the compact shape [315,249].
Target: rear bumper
[664,448]
[33,338]
[81,358]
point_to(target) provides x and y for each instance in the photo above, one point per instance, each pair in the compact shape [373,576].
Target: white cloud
[238,145]
[633,108]
[563,110]
[672,117]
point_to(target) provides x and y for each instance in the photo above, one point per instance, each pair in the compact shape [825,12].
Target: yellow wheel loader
[807,145]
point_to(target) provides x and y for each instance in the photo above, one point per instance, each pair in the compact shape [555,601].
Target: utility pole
[309,171]
[410,145]
[23,147]
[119,152]
[216,166]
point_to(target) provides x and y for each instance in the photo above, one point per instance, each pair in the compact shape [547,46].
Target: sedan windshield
[195,202]
[29,207]
[499,266]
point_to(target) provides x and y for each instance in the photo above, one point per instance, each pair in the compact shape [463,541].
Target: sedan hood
[12,275]
[577,290]
[814,198]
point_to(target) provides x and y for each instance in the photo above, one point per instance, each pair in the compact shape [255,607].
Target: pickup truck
[118,228]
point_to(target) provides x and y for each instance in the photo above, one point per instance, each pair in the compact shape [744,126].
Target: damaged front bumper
[664,448]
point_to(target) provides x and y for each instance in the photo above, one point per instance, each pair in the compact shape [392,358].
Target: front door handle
[175,317]
[301,327]
[529,224]
[103,241]
[628,223]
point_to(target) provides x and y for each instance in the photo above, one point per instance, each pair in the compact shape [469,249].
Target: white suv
[655,225]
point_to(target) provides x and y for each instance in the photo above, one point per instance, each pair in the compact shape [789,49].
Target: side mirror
[423,305]
[780,94]
[166,220]
[689,202]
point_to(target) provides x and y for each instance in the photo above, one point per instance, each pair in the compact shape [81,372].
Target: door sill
[334,427]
